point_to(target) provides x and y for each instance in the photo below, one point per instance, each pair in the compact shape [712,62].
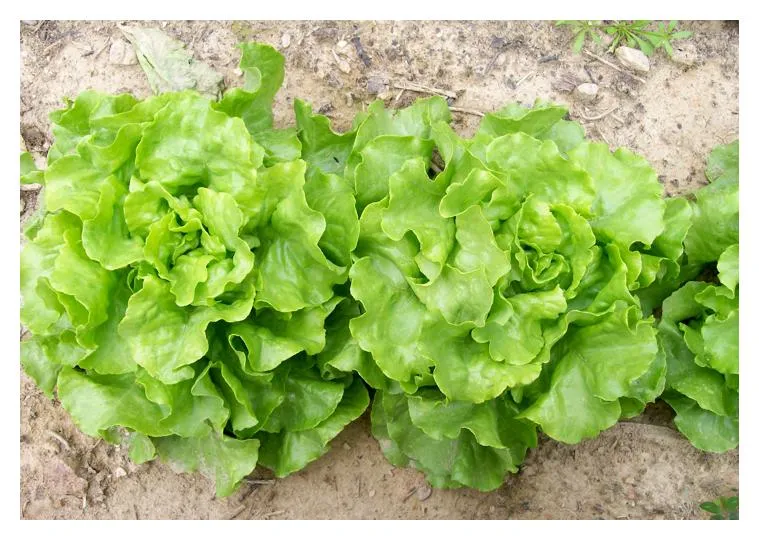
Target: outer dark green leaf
[705,430]
[715,212]
[39,366]
[461,459]
[598,364]
[225,459]
[264,71]
[288,451]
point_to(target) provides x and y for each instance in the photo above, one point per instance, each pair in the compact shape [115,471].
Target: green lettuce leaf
[225,459]
[699,328]
[288,451]
[715,211]
[455,444]
[593,368]
[264,70]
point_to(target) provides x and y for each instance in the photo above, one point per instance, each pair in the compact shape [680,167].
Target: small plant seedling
[581,30]
[648,36]
[722,508]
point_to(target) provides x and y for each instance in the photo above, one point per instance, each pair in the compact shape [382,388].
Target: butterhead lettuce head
[498,278]
[179,278]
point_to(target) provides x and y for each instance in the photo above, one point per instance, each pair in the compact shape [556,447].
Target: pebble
[587,91]
[122,53]
[347,446]
[372,493]
[424,492]
[342,64]
[633,59]
[342,44]
[376,84]
[285,41]
[119,472]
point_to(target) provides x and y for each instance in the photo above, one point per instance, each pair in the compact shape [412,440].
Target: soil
[637,470]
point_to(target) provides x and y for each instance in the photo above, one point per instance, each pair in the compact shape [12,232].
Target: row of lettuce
[222,294]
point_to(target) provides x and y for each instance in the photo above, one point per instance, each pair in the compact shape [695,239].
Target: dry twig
[601,133]
[58,41]
[101,49]
[467,111]
[63,442]
[599,116]
[272,514]
[410,493]
[520,81]
[237,511]
[424,89]
[257,482]
[613,66]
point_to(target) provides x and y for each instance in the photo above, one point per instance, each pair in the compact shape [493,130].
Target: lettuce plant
[699,324]
[219,292]
[497,292]
[180,275]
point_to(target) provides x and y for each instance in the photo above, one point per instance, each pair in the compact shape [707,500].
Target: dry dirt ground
[641,469]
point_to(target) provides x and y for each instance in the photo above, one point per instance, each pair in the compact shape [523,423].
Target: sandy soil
[641,469]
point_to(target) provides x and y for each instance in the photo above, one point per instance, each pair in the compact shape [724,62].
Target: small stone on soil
[586,91]
[376,85]
[342,64]
[633,59]
[423,493]
[119,473]
[285,41]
